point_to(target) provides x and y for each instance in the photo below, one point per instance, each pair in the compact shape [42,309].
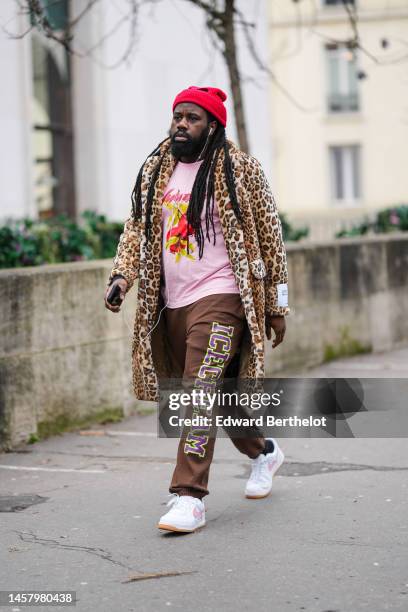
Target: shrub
[60,239]
[290,233]
[392,219]
[387,220]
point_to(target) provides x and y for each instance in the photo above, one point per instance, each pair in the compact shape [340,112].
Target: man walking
[204,240]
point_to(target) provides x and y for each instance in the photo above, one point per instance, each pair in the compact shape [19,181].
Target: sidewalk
[331,537]
[371,365]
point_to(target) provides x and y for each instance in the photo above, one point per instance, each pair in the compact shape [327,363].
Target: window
[342,79]
[334,2]
[345,173]
[52,121]
[56,12]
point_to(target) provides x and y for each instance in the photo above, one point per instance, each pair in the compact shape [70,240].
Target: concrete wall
[63,354]
[346,296]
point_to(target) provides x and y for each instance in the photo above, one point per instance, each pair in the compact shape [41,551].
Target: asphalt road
[332,537]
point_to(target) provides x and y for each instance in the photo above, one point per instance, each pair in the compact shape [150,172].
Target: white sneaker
[186,514]
[263,469]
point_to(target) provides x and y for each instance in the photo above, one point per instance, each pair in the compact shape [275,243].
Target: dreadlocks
[202,191]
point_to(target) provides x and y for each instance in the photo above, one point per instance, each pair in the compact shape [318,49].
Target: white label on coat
[282,294]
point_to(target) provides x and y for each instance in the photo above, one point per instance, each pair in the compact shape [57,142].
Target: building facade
[331,131]
[340,127]
[77,127]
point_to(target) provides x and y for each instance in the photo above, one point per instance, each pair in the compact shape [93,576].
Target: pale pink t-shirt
[188,278]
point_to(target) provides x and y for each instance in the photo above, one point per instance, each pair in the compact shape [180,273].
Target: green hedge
[387,220]
[60,239]
[32,243]
[290,233]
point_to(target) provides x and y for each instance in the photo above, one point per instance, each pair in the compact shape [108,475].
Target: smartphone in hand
[114,296]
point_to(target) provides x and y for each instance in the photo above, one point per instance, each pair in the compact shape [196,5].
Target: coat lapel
[237,252]
[239,248]
[150,263]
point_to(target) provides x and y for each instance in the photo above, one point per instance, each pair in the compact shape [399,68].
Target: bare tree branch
[38,15]
[222,17]
[132,17]
[82,14]
[264,68]
[16,36]
[222,24]
[107,35]
[210,9]
[35,9]
[355,41]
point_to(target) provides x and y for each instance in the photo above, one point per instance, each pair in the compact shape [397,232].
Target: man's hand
[122,283]
[278,324]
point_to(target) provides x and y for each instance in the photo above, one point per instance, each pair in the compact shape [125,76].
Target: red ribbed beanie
[210,98]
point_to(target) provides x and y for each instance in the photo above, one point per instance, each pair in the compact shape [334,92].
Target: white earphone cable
[211,131]
[157,322]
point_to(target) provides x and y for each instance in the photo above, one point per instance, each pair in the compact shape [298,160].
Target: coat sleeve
[269,230]
[126,261]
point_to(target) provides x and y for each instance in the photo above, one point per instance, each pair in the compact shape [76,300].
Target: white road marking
[140,434]
[44,469]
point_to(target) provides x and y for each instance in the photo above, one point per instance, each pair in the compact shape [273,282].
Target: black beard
[191,148]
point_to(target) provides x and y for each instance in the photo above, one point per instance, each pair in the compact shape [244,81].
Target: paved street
[333,535]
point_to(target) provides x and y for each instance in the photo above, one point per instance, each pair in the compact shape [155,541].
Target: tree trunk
[230,55]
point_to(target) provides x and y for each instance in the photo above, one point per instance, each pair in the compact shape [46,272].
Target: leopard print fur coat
[256,253]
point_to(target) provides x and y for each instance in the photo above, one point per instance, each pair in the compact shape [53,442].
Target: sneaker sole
[269,492]
[177,529]
[258,496]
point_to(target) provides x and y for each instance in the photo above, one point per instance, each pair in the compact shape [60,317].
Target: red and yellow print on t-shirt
[188,278]
[178,228]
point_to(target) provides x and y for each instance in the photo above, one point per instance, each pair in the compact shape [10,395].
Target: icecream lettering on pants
[204,337]
[210,371]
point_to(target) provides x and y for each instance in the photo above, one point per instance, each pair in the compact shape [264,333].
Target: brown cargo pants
[204,337]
